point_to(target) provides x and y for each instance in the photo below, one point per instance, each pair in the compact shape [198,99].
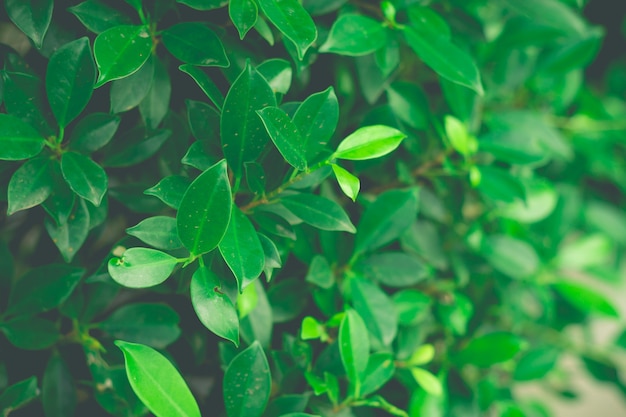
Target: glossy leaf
[278,74]
[293,21]
[141,267]
[244,15]
[214,308]
[30,185]
[18,395]
[489,349]
[203,4]
[536,363]
[242,250]
[394,269]
[84,176]
[24,98]
[18,140]
[128,92]
[285,136]
[354,347]
[93,131]
[369,142]
[170,190]
[58,389]
[375,308]
[349,184]
[120,51]
[194,43]
[205,210]
[156,382]
[33,17]
[70,236]
[319,212]
[135,146]
[158,231]
[205,83]
[380,369]
[429,382]
[70,78]
[98,16]
[155,104]
[247,383]
[316,119]
[354,35]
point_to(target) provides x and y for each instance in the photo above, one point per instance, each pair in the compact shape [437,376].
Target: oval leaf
[141,267]
[158,231]
[58,388]
[490,349]
[30,185]
[285,136]
[319,212]
[355,35]
[354,347]
[244,15]
[394,269]
[293,21]
[376,309]
[194,43]
[18,140]
[317,119]
[349,184]
[84,176]
[369,142]
[32,17]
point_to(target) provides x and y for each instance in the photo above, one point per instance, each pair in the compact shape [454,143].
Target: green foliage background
[327,207]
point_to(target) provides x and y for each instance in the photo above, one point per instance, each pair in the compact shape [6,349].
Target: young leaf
[156,382]
[18,140]
[205,83]
[70,236]
[369,142]
[120,51]
[429,382]
[32,17]
[205,210]
[355,35]
[459,137]
[194,43]
[354,348]
[97,16]
[141,267]
[58,388]
[247,383]
[242,250]
[285,136]
[158,231]
[84,176]
[319,212]
[244,15]
[489,349]
[348,183]
[316,119]
[30,185]
[242,132]
[293,21]
[214,308]
[70,77]
[93,131]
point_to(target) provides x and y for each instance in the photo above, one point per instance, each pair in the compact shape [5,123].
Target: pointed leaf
[32,17]
[156,103]
[84,176]
[319,212]
[141,267]
[285,136]
[194,43]
[18,140]
[489,349]
[30,185]
[348,183]
[355,35]
[170,190]
[205,83]
[93,131]
[369,142]
[203,4]
[394,269]
[128,92]
[18,395]
[244,14]
[375,308]
[58,389]
[317,119]
[98,16]
[158,231]
[586,299]
[293,21]
[429,382]
[354,347]
[278,74]
[31,332]
[156,382]
[380,369]
[70,236]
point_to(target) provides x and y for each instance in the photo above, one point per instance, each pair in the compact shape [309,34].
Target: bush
[327,207]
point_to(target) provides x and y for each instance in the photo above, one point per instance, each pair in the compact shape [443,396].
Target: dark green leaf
[319,212]
[70,236]
[158,231]
[194,43]
[30,332]
[205,83]
[135,146]
[30,185]
[24,98]
[18,140]
[58,389]
[84,176]
[93,131]
[244,14]
[257,325]
[285,136]
[203,4]
[97,16]
[499,185]
[354,347]
[156,103]
[510,256]
[536,363]
[141,267]
[375,308]
[380,369]
[288,298]
[408,103]
[33,17]
[170,190]
[369,142]
[293,21]
[395,269]
[586,299]
[18,395]
[354,35]
[489,349]
[412,306]
[316,119]
[128,92]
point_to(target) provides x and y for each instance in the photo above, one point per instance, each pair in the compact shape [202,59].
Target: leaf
[409,104]
[141,267]
[31,332]
[384,220]
[205,83]
[158,231]
[354,348]
[203,4]
[24,98]
[84,176]
[205,210]
[380,369]
[170,190]
[151,324]
[377,401]
[120,51]
[97,16]
[369,142]
[429,382]
[18,140]
[242,132]
[70,236]
[552,13]
[58,389]
[511,256]
[242,250]
[257,325]
[156,382]
[489,349]
[135,146]
[445,58]
[194,43]
[394,269]
[316,119]
[355,35]
[156,103]
[247,383]
[412,306]
[375,308]
[93,131]
[586,299]
[536,363]
[70,78]
[18,395]
[285,136]
[349,184]
[32,17]
[43,288]
[320,273]
[272,256]
[214,308]
[278,74]
[459,137]
[30,185]
[319,212]
[500,185]
[128,92]
[456,313]
[244,15]
[293,21]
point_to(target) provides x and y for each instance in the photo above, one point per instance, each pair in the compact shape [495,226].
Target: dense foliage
[297,208]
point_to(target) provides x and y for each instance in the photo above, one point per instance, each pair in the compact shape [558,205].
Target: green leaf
[384,220]
[377,401]
[412,306]
[445,58]
[31,332]
[355,35]
[380,369]
[394,269]
[70,236]
[43,288]
[257,325]
[170,190]
[194,43]
[422,355]
[18,140]
[120,51]
[24,98]
[552,13]
[93,131]
[316,119]
[536,363]
[354,348]
[427,20]
[32,17]
[151,324]
[205,210]
[30,185]
[499,185]
[244,15]
[203,4]
[135,146]
[141,267]
[18,395]
[320,273]
[272,256]
[586,299]
[459,137]
[158,231]
[58,389]
[247,383]
[128,92]
[156,103]
[205,83]
[242,132]
[242,250]
[278,74]
[429,382]
[375,308]
[511,256]
[136,4]
[285,136]
[369,142]
[156,382]
[70,78]
[319,212]
[97,16]
[255,177]
[214,308]
[409,104]
[84,176]
[456,312]
[349,184]
[489,349]
[293,21]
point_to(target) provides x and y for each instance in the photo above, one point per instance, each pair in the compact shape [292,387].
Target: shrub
[283,208]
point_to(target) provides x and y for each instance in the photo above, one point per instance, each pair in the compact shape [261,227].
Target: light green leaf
[319,212]
[586,299]
[369,142]
[375,308]
[489,349]
[380,369]
[244,15]
[156,382]
[30,185]
[32,17]
[536,363]
[293,21]
[141,267]
[320,273]
[194,43]
[354,348]
[278,74]
[158,231]
[316,119]
[355,35]
[120,51]
[205,83]
[205,210]
[348,183]
[429,382]
[84,176]
[459,137]
[18,140]
[285,136]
